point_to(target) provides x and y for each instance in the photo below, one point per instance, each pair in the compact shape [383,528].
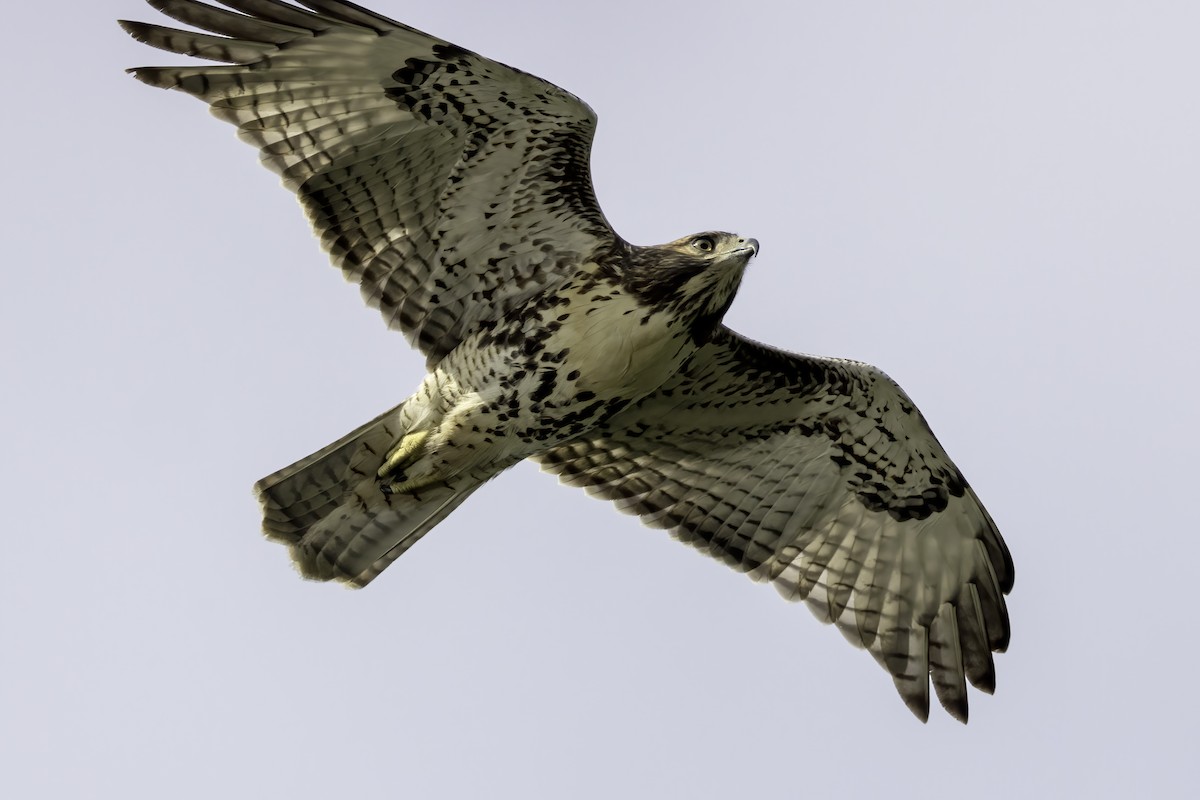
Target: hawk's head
[694,277]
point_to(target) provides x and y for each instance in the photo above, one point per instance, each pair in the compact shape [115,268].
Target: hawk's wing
[821,476]
[449,186]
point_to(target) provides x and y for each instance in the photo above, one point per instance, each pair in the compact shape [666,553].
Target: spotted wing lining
[820,476]
[450,187]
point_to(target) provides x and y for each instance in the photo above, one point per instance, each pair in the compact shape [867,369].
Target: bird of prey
[456,192]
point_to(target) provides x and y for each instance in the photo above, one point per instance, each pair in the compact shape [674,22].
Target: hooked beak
[750,245]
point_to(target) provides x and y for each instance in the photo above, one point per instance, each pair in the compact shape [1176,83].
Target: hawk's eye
[705,244]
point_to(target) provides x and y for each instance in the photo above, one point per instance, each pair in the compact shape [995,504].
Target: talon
[410,487]
[406,451]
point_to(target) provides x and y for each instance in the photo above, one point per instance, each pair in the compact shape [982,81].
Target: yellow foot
[392,478]
[406,451]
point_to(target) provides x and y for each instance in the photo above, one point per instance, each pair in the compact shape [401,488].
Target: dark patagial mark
[451,52]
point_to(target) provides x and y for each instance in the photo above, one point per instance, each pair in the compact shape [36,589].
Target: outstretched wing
[821,476]
[449,186]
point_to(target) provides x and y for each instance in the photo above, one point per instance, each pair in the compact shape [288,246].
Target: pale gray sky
[996,202]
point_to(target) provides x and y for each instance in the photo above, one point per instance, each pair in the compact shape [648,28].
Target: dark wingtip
[137,31]
[146,75]
[957,710]
[920,710]
[915,695]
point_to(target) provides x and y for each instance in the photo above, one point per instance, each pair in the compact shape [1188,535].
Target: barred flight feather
[456,192]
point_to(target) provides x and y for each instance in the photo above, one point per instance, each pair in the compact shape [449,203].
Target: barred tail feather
[329,510]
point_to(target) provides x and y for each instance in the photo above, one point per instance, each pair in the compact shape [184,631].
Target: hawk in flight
[456,192]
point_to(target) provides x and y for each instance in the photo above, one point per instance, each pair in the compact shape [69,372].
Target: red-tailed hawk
[456,192]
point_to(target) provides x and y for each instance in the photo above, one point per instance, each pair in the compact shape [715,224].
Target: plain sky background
[996,202]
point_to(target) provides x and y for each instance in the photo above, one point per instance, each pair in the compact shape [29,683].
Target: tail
[330,512]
